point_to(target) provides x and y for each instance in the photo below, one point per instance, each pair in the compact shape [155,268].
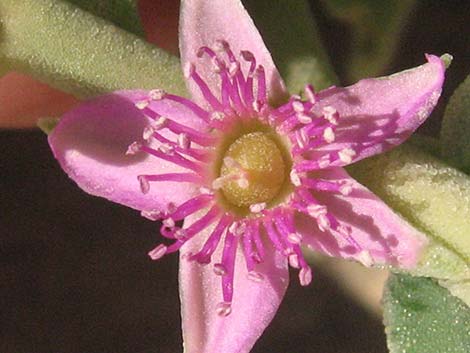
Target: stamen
[157,94]
[346,155]
[224,309]
[134,148]
[310,94]
[365,258]
[305,276]
[257,207]
[153,215]
[220,270]
[158,252]
[255,276]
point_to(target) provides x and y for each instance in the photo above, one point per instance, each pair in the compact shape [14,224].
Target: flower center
[253,170]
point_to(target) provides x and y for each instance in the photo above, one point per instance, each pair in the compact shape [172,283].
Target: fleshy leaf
[455,143]
[422,317]
[122,13]
[290,33]
[433,197]
[43,38]
[376,27]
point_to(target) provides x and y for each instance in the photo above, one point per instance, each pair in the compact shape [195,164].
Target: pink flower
[254,176]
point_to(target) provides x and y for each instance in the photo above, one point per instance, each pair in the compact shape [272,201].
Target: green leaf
[79,53]
[422,317]
[375,26]
[455,131]
[289,32]
[122,13]
[433,197]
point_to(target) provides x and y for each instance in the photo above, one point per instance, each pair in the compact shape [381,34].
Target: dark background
[74,274]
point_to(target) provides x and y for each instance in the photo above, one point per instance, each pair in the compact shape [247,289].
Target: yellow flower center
[253,170]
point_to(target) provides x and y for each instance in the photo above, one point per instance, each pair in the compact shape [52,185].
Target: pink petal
[91,141]
[379,113]
[254,303]
[203,22]
[388,238]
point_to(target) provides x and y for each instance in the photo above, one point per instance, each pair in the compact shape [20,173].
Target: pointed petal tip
[90,143]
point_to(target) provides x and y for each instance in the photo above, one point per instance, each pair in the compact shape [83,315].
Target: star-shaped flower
[253,173]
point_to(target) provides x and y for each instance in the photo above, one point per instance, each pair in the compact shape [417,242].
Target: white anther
[257,106]
[346,189]
[217,116]
[157,94]
[310,93]
[159,123]
[180,234]
[257,207]
[255,276]
[303,118]
[365,258]
[330,114]
[144,184]
[346,155]
[169,222]
[166,148]
[133,148]
[220,270]
[323,223]
[329,135]
[293,260]
[188,70]
[223,309]
[237,228]
[295,178]
[153,215]
[294,238]
[233,68]
[142,104]
[298,107]
[316,210]
[301,138]
[205,191]
[158,252]
[148,132]
[183,141]
[324,162]
[305,276]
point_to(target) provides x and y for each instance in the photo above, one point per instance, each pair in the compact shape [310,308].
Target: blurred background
[74,274]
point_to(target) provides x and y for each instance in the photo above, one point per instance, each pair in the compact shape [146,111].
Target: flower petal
[379,113]
[253,307]
[203,22]
[90,143]
[385,236]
